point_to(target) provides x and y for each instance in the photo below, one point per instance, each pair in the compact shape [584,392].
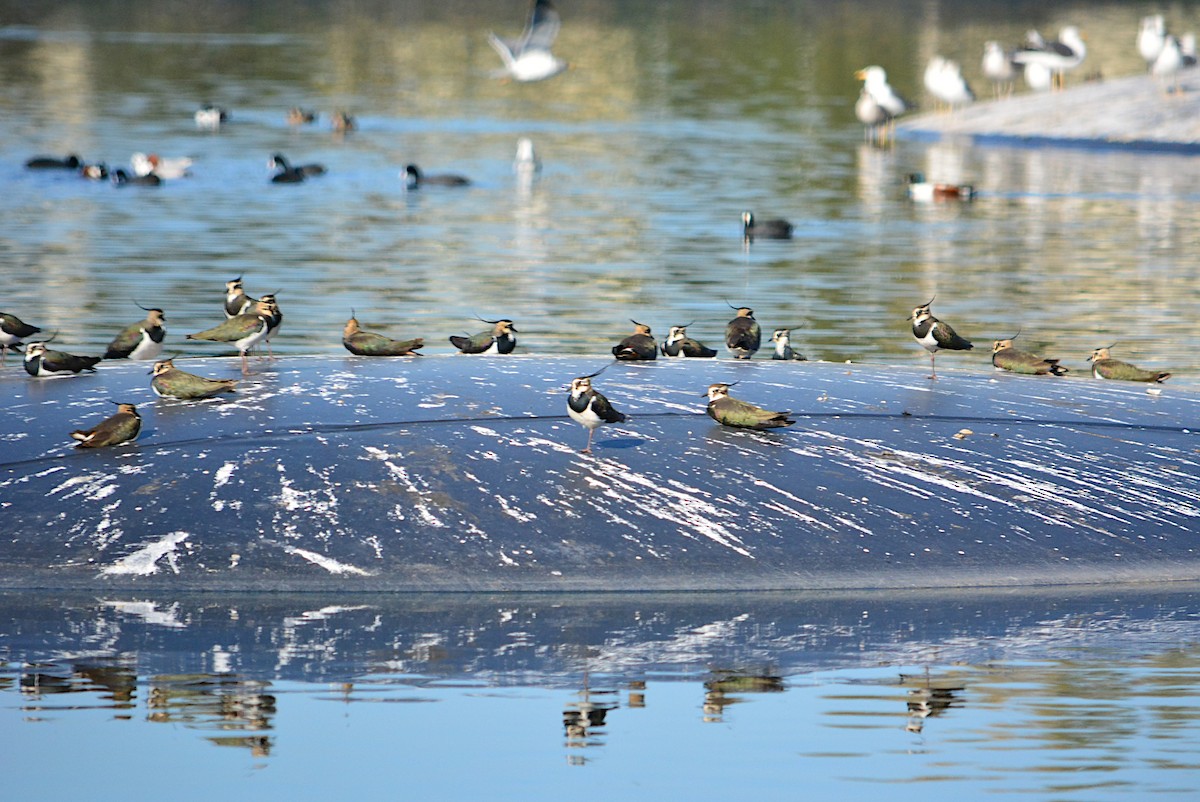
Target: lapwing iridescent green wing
[120,428]
[171,382]
[782,341]
[637,346]
[12,331]
[1006,357]
[589,408]
[41,362]
[142,340]
[500,340]
[237,302]
[777,228]
[244,331]
[366,343]
[743,337]
[934,335]
[1105,367]
[679,344]
[729,411]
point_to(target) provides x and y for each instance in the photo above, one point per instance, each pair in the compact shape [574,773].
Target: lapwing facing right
[679,344]
[1006,357]
[729,411]
[742,334]
[41,362]
[934,335]
[782,339]
[276,320]
[1105,367]
[500,340]
[12,331]
[244,331]
[143,340]
[765,229]
[171,382]
[637,346]
[366,343]
[589,408]
[120,428]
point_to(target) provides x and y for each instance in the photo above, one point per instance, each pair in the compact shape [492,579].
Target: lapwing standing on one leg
[742,334]
[143,340]
[1105,367]
[782,340]
[589,408]
[729,411]
[171,382]
[245,331]
[639,345]
[366,343]
[41,361]
[12,331]
[679,344]
[1006,357]
[500,340]
[237,302]
[934,335]
[120,428]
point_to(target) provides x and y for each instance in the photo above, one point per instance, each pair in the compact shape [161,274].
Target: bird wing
[947,338]
[604,410]
[126,341]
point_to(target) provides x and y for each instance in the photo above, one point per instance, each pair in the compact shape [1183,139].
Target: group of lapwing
[251,322]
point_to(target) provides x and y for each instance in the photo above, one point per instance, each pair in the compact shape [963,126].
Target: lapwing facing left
[120,428]
[500,340]
[41,361]
[367,343]
[589,408]
[782,340]
[12,331]
[639,345]
[679,344]
[1006,357]
[244,331]
[729,411]
[742,334]
[237,302]
[171,382]
[142,340]
[934,335]
[1105,367]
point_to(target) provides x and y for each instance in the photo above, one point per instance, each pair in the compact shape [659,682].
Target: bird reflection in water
[222,702]
[727,687]
[929,696]
[113,680]
[584,719]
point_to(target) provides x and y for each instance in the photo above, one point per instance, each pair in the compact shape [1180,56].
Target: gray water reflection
[672,120]
[1078,694]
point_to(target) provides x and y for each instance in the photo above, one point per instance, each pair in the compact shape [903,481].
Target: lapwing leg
[933,366]
[245,365]
[588,448]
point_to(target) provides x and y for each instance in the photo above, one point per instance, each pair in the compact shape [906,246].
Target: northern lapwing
[120,428]
[276,320]
[742,334]
[934,335]
[237,302]
[41,361]
[287,173]
[765,229]
[679,344]
[729,411]
[1105,367]
[500,340]
[121,178]
[781,339]
[529,57]
[171,382]
[924,191]
[71,162]
[244,331]
[640,345]
[1006,357]
[589,408]
[142,340]
[12,331]
[415,179]
[366,343]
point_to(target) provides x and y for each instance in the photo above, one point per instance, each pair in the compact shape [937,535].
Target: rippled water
[671,122]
